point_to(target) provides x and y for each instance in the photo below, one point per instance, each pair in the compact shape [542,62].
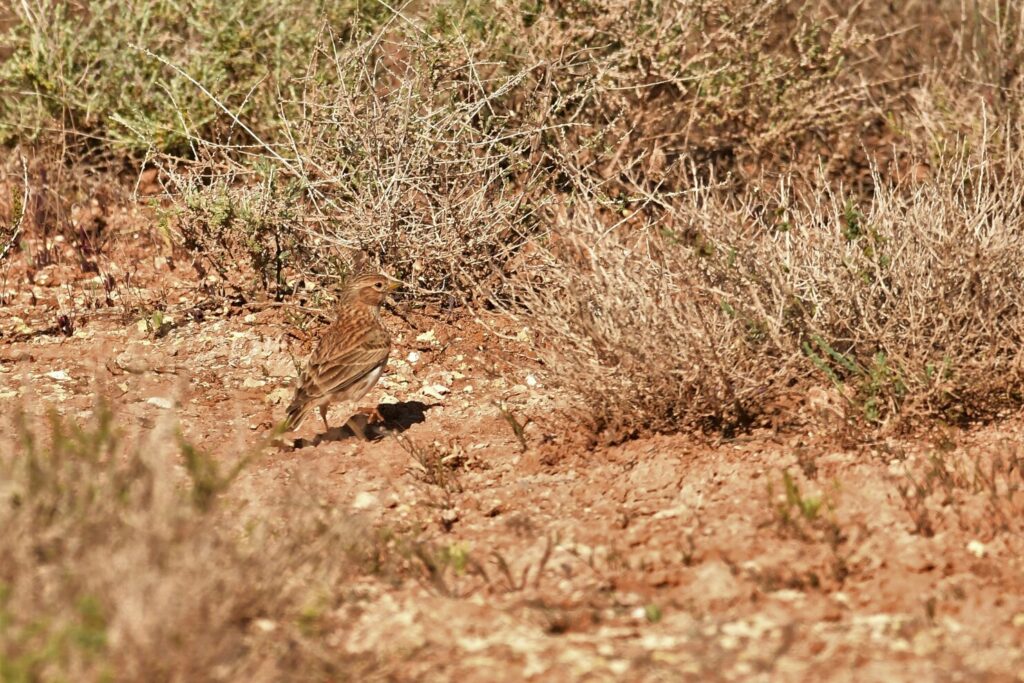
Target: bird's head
[369,288]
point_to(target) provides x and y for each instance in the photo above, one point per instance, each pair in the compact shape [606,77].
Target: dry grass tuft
[120,564]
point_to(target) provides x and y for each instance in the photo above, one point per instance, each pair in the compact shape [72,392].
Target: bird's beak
[393,285]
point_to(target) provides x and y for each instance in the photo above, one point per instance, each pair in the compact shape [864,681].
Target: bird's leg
[323,416]
[358,426]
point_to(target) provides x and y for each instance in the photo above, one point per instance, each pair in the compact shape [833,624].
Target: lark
[350,356]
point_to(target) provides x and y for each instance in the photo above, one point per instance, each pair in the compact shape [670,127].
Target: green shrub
[79,74]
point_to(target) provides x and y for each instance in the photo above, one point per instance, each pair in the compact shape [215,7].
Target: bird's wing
[338,364]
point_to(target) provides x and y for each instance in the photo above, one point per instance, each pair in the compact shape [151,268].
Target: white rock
[427,337]
[977,548]
[531,381]
[364,501]
[436,391]
[160,402]
[449,517]
[717,582]
[413,357]
[252,383]
[59,375]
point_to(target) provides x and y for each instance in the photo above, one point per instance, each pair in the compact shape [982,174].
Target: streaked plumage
[351,354]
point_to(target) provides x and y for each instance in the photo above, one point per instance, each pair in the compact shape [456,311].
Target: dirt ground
[795,555]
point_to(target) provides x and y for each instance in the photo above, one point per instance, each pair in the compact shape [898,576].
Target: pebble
[717,582]
[365,500]
[413,357]
[435,391]
[59,375]
[449,517]
[160,402]
[129,362]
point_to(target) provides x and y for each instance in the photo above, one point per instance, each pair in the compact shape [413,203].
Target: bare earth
[665,558]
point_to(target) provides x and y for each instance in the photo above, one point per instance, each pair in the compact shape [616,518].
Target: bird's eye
[378,284]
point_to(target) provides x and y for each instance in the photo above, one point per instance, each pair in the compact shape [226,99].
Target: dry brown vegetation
[113,552]
[700,217]
[908,306]
[758,196]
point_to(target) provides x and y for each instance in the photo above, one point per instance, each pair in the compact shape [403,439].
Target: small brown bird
[351,354]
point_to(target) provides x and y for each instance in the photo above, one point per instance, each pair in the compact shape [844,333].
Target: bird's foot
[358,424]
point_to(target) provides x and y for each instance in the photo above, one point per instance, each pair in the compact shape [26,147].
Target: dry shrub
[390,158]
[630,330]
[734,87]
[801,186]
[119,564]
[907,304]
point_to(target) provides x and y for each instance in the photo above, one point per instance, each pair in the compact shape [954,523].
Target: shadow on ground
[395,418]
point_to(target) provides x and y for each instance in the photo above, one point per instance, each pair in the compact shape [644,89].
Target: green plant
[82,74]
[223,220]
[810,518]
[878,388]
[795,506]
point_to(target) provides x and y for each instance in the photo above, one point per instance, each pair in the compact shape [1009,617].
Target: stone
[714,581]
[365,500]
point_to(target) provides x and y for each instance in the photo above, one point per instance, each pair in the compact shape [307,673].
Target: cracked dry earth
[774,556]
